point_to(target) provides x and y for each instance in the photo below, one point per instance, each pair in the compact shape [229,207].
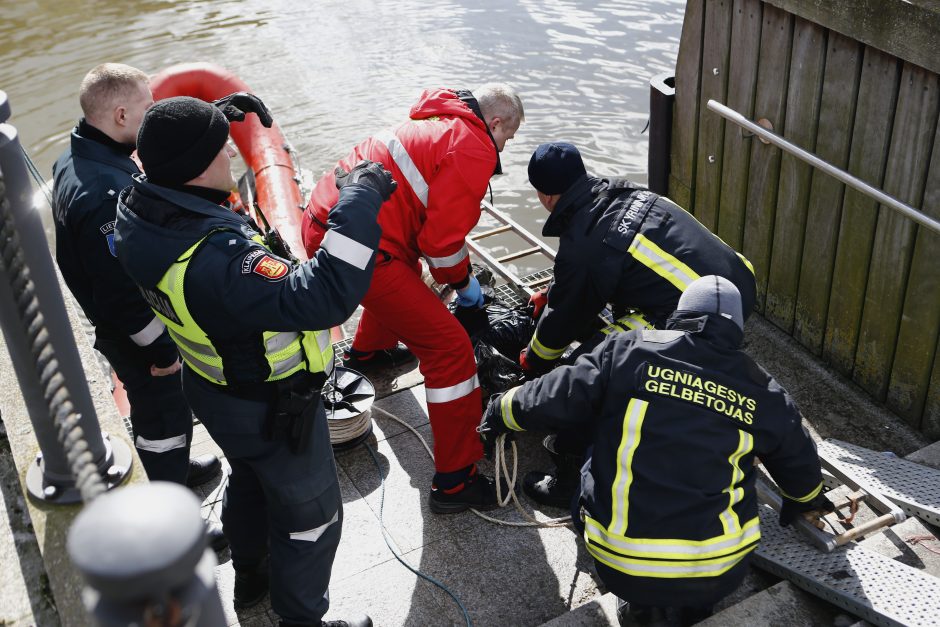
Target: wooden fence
[856,82]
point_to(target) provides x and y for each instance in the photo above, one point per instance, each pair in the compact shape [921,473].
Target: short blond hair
[500,100]
[105,84]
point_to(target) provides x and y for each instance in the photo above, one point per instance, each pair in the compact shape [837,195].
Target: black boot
[251,586]
[556,488]
[354,621]
[476,491]
[202,468]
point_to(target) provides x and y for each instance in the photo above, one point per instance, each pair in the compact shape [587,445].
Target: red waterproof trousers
[400,307]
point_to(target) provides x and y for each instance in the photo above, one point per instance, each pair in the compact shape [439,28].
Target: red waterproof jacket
[442,158]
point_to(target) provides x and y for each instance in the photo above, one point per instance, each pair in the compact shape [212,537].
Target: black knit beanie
[178,139]
[554,167]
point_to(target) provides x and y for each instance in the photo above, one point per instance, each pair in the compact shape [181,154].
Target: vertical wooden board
[836,112]
[930,424]
[685,109]
[920,323]
[871,132]
[764,168]
[735,158]
[807,64]
[716,46]
[905,177]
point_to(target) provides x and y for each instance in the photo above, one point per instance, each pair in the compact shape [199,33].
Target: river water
[334,71]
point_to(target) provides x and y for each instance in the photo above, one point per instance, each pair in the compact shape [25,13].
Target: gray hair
[106,83]
[500,100]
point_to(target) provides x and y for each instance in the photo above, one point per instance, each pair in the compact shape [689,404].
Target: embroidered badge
[108,231]
[259,262]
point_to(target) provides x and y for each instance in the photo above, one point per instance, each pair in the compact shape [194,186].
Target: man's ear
[495,123]
[120,115]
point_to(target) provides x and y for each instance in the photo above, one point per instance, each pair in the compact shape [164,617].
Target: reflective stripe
[670,548]
[452,393]
[749,265]
[280,341]
[160,446]
[632,321]
[667,569]
[729,519]
[505,409]
[450,260]
[620,489]
[403,160]
[804,499]
[328,367]
[202,349]
[543,351]
[312,535]
[346,248]
[149,333]
[213,372]
[323,340]
[285,365]
[662,263]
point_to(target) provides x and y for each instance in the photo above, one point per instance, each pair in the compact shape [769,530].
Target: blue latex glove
[471,295]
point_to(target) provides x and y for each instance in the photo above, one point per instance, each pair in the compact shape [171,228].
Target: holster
[294,411]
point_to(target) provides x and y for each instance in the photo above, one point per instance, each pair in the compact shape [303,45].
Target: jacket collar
[470,100]
[96,151]
[579,195]
[711,327]
[190,202]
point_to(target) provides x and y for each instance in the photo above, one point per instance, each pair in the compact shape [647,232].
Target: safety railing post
[37,331]
[144,555]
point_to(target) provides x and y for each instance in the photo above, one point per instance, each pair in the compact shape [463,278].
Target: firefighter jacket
[624,245]
[676,417]
[442,158]
[237,311]
[87,180]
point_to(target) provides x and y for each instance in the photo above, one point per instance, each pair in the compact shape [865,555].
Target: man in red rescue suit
[620,244]
[442,158]
[665,534]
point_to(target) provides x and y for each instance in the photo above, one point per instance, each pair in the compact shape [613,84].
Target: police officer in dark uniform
[622,245]
[244,319]
[667,505]
[88,178]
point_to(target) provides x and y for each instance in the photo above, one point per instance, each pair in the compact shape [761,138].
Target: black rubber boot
[556,488]
[251,586]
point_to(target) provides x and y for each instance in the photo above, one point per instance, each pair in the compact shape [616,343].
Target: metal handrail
[804,155]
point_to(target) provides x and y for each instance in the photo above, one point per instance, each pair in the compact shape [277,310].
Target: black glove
[791,509]
[369,174]
[492,426]
[235,106]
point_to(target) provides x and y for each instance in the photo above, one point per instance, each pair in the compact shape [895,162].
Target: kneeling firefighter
[243,320]
[666,534]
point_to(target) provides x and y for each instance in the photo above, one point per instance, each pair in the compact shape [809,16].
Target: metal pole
[51,477]
[804,155]
[662,98]
[143,553]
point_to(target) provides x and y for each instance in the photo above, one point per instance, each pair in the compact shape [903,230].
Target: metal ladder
[529,284]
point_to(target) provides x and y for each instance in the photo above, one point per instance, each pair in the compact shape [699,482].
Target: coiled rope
[56,394]
[502,474]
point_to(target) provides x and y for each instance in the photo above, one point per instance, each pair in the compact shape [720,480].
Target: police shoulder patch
[258,261]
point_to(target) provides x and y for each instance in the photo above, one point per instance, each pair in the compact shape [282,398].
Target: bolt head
[50,491]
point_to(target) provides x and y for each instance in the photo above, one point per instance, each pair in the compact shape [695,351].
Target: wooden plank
[930,424]
[920,323]
[836,112]
[764,169]
[685,110]
[716,47]
[903,28]
[802,119]
[871,131]
[742,70]
[906,174]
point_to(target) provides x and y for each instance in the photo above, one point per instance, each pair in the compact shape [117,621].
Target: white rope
[502,472]
[347,430]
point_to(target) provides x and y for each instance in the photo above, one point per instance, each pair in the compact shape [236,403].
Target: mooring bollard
[143,552]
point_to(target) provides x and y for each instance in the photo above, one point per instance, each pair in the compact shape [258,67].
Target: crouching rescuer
[244,320]
[667,505]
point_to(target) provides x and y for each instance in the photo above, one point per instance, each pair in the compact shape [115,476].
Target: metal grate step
[879,589]
[913,487]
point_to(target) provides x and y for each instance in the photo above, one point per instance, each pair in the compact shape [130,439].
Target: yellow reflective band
[804,499]
[671,548]
[729,519]
[612,328]
[749,265]
[620,489]
[543,351]
[662,263]
[505,410]
[665,569]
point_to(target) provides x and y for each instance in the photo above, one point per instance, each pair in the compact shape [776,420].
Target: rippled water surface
[334,71]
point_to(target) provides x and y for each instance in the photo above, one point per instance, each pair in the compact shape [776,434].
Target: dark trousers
[160,416]
[276,501]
